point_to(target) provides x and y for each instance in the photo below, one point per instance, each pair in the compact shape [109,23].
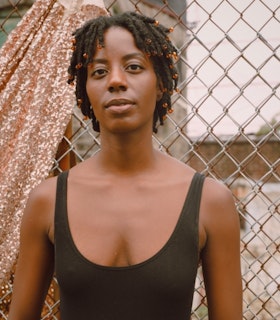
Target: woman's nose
[117,80]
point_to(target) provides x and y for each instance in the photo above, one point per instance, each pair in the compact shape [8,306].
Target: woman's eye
[134,67]
[98,72]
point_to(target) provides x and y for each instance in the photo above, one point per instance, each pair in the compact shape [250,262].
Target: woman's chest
[123,225]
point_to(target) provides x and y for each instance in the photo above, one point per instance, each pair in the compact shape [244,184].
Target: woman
[125,230]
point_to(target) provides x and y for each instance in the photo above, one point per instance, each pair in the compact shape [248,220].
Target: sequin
[36,106]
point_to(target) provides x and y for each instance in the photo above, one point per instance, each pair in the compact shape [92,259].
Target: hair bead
[79,102]
[174,55]
[70,79]
[79,66]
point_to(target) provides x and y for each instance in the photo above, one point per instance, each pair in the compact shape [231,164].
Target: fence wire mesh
[226,124]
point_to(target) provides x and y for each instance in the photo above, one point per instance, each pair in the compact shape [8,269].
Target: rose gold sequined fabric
[35,107]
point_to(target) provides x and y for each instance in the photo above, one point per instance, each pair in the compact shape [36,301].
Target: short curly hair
[150,37]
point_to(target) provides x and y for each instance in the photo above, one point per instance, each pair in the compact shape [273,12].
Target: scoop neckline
[136,265]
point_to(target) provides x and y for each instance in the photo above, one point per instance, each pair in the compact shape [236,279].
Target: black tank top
[160,288]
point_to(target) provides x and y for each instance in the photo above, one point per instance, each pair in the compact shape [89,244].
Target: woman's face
[121,84]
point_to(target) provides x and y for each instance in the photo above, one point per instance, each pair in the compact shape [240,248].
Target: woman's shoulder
[39,209]
[216,193]
[44,192]
[217,207]
[218,211]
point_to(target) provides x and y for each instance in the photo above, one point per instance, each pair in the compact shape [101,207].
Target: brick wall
[257,158]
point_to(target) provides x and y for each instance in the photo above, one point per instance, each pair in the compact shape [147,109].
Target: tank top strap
[61,202]
[192,203]
[196,188]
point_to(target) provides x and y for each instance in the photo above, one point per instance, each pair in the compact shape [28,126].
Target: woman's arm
[34,268]
[221,254]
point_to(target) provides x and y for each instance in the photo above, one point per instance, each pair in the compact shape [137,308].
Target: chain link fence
[226,124]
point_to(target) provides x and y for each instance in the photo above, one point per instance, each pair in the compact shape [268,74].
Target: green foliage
[273,124]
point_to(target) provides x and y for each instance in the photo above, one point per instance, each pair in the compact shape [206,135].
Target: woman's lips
[119,105]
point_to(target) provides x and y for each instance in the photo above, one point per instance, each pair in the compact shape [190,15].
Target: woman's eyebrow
[134,55]
[99,60]
[125,57]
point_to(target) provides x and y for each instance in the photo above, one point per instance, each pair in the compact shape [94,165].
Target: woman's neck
[127,154]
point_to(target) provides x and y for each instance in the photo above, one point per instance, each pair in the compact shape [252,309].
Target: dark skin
[127,224]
